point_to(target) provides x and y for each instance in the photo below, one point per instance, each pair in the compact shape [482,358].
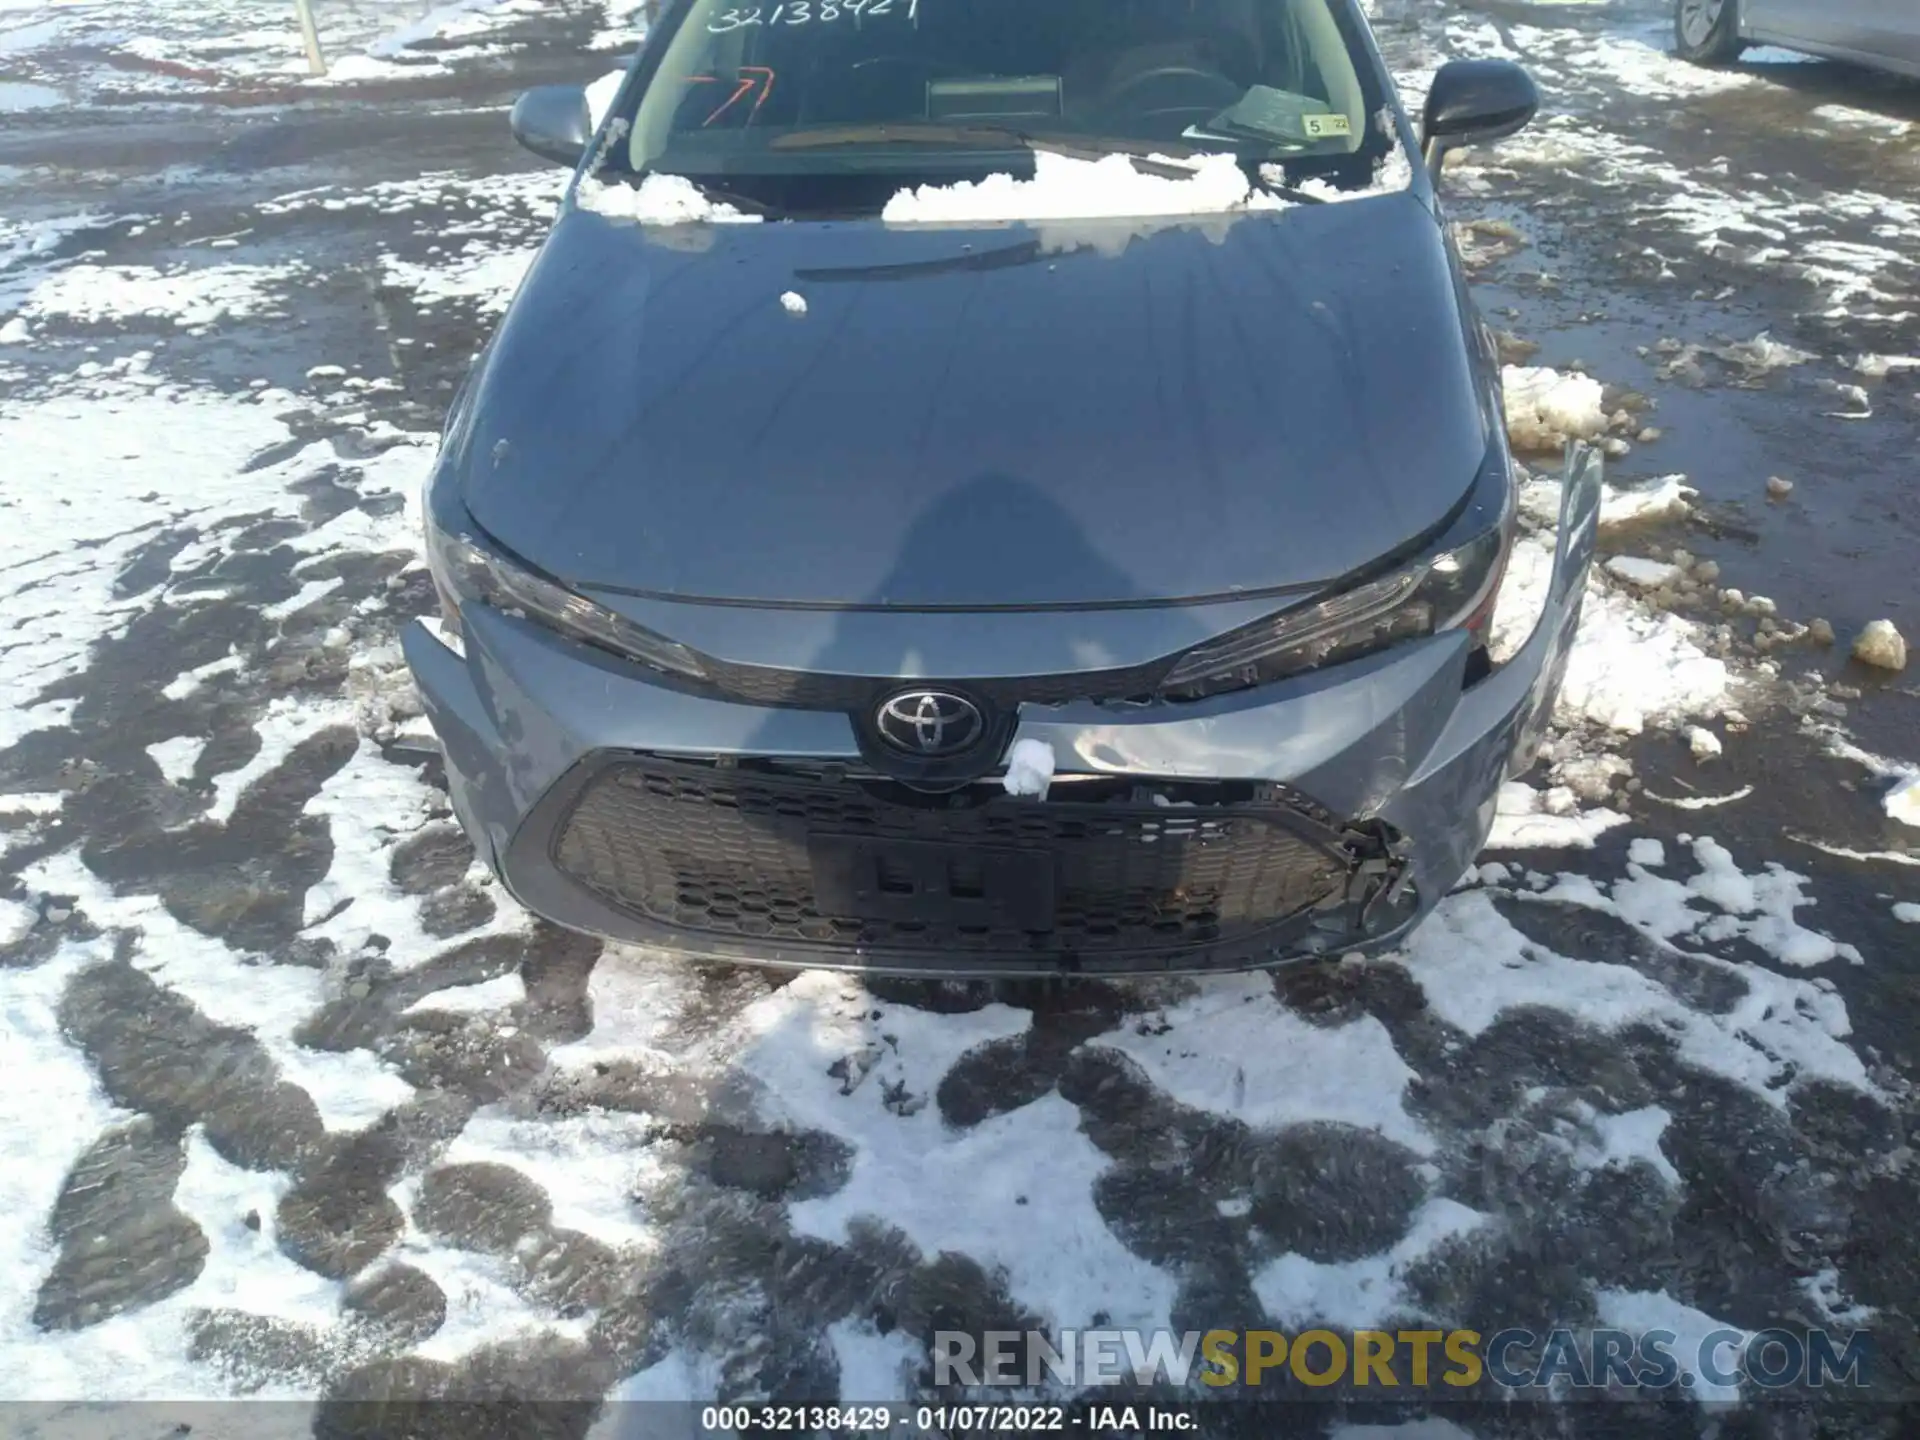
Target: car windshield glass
[795,100]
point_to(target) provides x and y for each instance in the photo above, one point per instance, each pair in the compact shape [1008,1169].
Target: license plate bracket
[915,880]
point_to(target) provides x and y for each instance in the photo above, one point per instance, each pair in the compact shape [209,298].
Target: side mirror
[553,122]
[1475,102]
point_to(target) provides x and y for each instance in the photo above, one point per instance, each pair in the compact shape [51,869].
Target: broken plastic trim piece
[445,628]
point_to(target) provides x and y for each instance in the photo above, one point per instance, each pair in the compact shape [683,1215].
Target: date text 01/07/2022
[941,1420]
[812,12]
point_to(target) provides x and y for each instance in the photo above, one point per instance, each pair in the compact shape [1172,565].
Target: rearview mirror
[1475,102]
[553,122]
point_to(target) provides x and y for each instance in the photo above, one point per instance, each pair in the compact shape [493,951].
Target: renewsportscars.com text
[1457,1360]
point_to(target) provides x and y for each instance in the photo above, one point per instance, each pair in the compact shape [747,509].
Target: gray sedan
[976,596]
[1881,33]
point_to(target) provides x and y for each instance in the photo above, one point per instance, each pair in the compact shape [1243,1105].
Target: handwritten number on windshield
[810,12]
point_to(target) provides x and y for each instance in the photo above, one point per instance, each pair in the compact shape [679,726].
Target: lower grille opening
[818,857]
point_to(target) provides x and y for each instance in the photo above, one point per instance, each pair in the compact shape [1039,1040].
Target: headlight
[1450,591]
[466,570]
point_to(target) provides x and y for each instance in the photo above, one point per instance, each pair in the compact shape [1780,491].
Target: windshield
[800,104]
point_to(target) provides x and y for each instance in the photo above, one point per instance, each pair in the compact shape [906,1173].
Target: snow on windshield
[1392,172]
[1066,188]
[1115,186]
[657,200]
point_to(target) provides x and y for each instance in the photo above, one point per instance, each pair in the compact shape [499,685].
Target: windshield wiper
[1288,192]
[1080,147]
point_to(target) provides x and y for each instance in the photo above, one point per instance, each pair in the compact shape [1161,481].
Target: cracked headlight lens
[1453,590]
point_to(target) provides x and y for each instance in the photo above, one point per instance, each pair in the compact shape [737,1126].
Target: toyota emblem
[929,723]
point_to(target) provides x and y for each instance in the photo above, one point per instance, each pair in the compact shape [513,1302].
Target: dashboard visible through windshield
[897,90]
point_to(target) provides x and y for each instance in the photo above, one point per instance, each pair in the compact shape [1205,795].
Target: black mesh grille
[729,852]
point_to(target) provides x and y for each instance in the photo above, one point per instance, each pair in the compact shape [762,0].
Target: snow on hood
[1066,188]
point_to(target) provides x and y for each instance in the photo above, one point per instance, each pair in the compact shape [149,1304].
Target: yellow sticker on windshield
[1321,126]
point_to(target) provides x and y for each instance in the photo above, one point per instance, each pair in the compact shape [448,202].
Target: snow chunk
[1547,407]
[1704,744]
[1903,801]
[1907,913]
[794,303]
[1592,778]
[1646,851]
[1668,498]
[1878,367]
[1064,187]
[1029,768]
[1759,355]
[1646,574]
[1529,819]
[657,200]
[1882,646]
[15,332]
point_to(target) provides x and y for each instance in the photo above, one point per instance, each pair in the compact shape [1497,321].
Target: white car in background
[1882,33]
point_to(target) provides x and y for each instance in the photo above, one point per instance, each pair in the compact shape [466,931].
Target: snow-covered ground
[93,50]
[298,1102]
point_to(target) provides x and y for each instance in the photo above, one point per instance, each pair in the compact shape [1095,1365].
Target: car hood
[853,414]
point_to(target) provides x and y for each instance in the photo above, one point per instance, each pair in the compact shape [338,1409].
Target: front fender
[1517,700]
[1580,496]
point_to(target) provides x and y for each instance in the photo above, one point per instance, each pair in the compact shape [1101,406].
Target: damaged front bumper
[1321,815]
